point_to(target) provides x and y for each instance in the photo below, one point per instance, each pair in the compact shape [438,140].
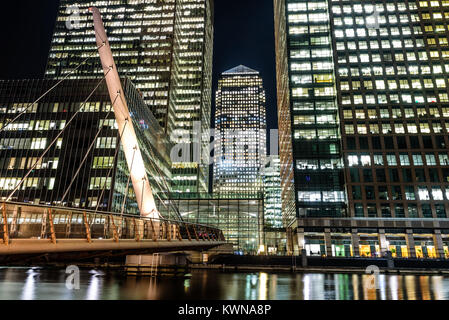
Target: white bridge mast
[142,188]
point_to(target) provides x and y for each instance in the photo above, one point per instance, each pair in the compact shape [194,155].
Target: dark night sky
[244,34]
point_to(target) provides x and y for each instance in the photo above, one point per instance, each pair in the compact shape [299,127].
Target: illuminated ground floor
[404,238]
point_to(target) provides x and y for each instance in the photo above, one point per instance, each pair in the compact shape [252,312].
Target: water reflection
[32,284]
[28,288]
[93,290]
[410,287]
[263,278]
[394,288]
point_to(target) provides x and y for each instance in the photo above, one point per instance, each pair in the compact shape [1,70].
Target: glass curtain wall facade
[285,124]
[272,194]
[103,176]
[274,231]
[165,48]
[155,147]
[141,36]
[240,218]
[240,133]
[191,92]
[393,59]
[390,61]
[304,43]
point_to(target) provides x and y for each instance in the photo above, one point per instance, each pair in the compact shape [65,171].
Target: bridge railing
[27,221]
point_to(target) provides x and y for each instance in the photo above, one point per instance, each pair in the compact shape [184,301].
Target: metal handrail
[56,222]
[108,213]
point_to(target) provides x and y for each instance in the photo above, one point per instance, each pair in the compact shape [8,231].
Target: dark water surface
[49,284]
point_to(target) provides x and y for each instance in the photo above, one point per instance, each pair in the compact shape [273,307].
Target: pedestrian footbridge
[34,230]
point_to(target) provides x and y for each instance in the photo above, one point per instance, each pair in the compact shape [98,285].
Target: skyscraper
[165,48]
[374,72]
[308,113]
[86,167]
[240,133]
[191,92]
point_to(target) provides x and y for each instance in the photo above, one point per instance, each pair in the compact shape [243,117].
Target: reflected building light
[152,290]
[232,288]
[251,282]
[306,290]
[29,287]
[9,275]
[94,287]
[355,286]
[273,286]
[382,286]
[263,280]
[319,290]
[187,285]
[8,279]
[337,287]
[410,287]
[342,287]
[394,287]
[425,290]
[437,288]
[368,294]
[113,292]
[401,289]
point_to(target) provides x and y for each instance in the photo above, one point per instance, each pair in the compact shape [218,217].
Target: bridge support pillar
[410,240]
[383,245]
[438,243]
[355,241]
[301,239]
[207,256]
[158,264]
[328,242]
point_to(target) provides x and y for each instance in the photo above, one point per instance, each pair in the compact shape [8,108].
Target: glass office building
[316,163]
[376,72]
[240,218]
[274,231]
[191,92]
[165,48]
[240,133]
[85,167]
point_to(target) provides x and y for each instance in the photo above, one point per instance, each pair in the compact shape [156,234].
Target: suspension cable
[129,177]
[127,184]
[87,154]
[49,90]
[163,203]
[162,187]
[110,170]
[143,189]
[164,183]
[157,169]
[57,137]
[127,190]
